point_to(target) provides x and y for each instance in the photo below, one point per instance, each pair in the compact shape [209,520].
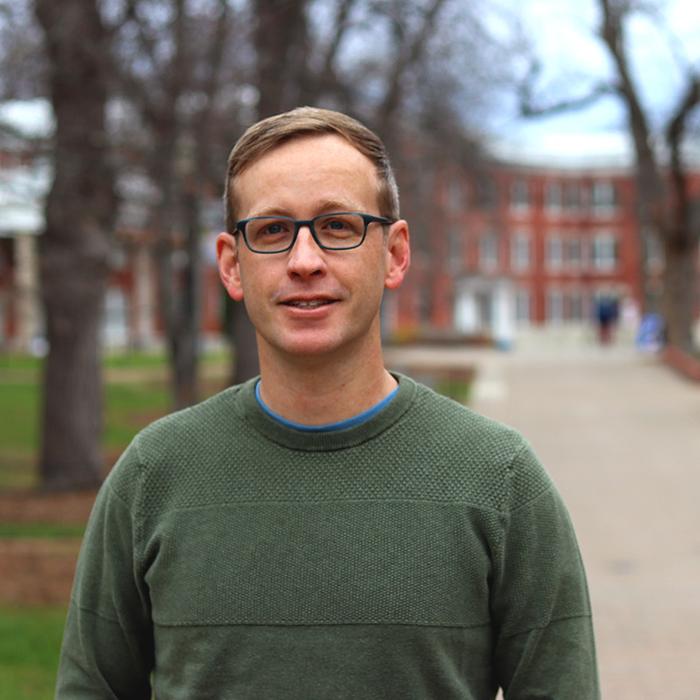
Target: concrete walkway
[620,435]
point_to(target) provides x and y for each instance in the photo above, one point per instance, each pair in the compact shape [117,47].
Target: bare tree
[75,247]
[174,81]
[663,187]
[410,45]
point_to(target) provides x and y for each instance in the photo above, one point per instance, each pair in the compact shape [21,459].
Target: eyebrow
[330,205]
[324,206]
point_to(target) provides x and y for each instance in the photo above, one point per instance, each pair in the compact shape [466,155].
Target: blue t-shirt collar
[327,427]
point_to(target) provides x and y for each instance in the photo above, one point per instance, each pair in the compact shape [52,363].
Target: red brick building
[517,245]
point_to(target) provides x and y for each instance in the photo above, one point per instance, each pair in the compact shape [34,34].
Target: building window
[523,304]
[573,196]
[604,197]
[605,252]
[520,195]
[520,255]
[456,195]
[555,305]
[484,305]
[455,243]
[554,252]
[485,192]
[574,253]
[488,252]
[576,305]
[553,197]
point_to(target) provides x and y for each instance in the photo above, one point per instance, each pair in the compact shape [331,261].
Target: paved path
[621,437]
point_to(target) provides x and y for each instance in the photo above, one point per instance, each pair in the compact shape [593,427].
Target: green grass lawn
[128,408]
[29,643]
[42,530]
[132,400]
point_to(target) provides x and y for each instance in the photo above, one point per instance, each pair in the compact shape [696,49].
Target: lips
[307,302]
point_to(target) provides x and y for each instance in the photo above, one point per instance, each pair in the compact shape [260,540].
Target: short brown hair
[269,133]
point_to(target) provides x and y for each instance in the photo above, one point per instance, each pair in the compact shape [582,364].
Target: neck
[319,390]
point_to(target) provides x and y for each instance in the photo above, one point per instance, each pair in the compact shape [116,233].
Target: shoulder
[447,421]
[181,441]
[189,427]
[498,459]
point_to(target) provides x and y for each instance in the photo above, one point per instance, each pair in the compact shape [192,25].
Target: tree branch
[211,82]
[408,55]
[675,132]
[341,26]
[679,121]
[612,34]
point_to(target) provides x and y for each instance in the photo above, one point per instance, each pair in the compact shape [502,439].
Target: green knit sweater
[422,554]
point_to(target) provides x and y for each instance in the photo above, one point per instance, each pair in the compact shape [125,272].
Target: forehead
[303,172]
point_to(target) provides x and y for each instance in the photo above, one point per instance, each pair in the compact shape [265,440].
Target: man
[330,529]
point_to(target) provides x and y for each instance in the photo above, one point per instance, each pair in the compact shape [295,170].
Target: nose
[306,258]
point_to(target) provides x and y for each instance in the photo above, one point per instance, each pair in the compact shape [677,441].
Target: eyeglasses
[341,230]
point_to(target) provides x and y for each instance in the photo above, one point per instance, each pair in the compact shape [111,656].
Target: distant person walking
[607,313]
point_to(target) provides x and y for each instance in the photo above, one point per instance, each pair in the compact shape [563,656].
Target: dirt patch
[30,507]
[36,571]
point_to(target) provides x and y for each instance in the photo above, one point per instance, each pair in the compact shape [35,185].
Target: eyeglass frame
[309,223]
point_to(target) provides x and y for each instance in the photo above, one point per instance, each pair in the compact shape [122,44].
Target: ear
[229,265]
[398,254]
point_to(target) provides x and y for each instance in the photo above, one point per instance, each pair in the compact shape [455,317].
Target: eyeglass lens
[333,231]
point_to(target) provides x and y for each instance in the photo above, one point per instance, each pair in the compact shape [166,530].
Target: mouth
[308,303]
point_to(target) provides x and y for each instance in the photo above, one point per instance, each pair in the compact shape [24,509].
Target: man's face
[309,301]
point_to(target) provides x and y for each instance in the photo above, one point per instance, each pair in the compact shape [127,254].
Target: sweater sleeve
[107,649]
[544,636]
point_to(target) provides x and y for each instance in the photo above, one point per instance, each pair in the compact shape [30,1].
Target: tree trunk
[185,336]
[281,36]
[177,268]
[179,285]
[72,400]
[75,246]
[679,291]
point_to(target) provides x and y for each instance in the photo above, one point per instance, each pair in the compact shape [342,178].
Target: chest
[326,562]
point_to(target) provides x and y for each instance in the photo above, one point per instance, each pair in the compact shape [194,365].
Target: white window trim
[607,207]
[550,263]
[490,262]
[523,294]
[554,292]
[516,187]
[553,207]
[605,263]
[521,242]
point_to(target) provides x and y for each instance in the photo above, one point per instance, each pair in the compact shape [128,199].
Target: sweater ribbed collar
[271,429]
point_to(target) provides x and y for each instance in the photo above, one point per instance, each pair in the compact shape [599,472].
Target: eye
[274,227]
[267,228]
[340,225]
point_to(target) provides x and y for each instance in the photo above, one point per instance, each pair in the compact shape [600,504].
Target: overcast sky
[562,33]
